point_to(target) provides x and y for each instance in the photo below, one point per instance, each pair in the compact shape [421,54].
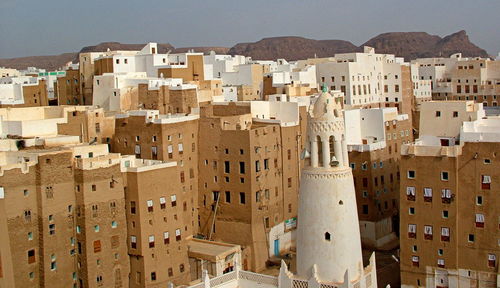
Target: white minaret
[328,228]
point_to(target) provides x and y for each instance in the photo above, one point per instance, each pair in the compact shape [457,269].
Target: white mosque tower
[328,238]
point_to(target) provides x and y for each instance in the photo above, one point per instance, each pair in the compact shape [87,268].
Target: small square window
[411,174]
[479,200]
[455,114]
[411,211]
[445,213]
[440,252]
[438,113]
[471,238]
[444,176]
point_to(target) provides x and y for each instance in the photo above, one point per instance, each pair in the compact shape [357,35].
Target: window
[31,256]
[492,259]
[153,276]
[438,113]
[446,196]
[396,88]
[170,272]
[365,209]
[132,207]
[471,238]
[427,194]
[173,200]
[479,220]
[163,202]
[485,182]
[181,268]
[30,235]
[411,174]
[114,224]
[414,261]
[257,196]
[412,231]
[52,229]
[181,148]
[445,214]
[440,263]
[266,164]
[96,228]
[445,234]
[242,198]
[228,197]
[410,193]
[455,114]
[151,241]
[428,232]
[479,200]
[257,166]
[411,210]
[133,242]
[242,167]
[53,264]
[166,238]
[328,237]
[94,187]
[97,246]
[227,167]
[170,150]
[289,180]
[149,203]
[444,176]
[177,234]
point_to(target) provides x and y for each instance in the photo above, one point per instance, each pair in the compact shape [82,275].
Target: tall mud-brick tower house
[328,238]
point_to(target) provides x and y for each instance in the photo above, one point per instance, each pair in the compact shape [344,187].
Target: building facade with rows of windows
[450,233]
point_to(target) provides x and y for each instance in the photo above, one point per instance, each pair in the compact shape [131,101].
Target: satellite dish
[334,161]
[305,154]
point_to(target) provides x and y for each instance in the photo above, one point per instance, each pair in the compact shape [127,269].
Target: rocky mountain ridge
[409,45]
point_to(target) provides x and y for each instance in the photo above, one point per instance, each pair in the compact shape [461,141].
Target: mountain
[52,62]
[291,48]
[409,45]
[412,45]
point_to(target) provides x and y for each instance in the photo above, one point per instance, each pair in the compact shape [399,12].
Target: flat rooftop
[210,250]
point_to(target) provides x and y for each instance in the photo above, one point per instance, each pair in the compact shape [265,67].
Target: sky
[50,27]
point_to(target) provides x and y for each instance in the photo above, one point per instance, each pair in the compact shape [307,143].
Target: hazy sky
[47,27]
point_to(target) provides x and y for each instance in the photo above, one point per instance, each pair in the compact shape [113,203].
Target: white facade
[365,78]
[11,89]
[215,65]
[9,72]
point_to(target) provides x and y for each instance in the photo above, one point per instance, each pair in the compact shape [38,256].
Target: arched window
[320,151]
[328,237]
[332,147]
